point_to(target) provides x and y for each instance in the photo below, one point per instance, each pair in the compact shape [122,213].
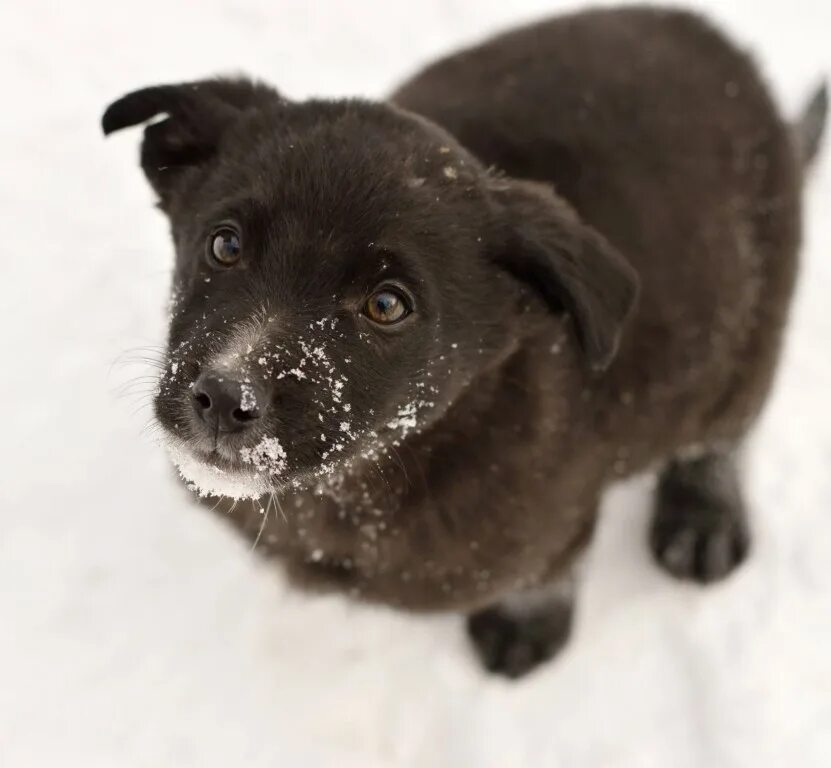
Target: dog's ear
[569,264]
[195,116]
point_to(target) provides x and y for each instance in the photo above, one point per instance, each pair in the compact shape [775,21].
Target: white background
[137,630]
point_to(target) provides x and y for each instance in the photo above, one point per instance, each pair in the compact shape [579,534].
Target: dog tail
[810,126]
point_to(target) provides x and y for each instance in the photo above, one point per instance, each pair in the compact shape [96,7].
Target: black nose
[223,402]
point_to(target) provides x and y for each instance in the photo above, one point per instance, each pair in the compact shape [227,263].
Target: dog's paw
[512,646]
[704,543]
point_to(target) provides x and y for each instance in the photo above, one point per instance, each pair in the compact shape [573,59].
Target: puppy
[415,340]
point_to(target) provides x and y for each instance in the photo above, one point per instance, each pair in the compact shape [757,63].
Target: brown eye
[224,247]
[386,307]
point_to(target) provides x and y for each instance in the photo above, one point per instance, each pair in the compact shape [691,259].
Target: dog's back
[662,136]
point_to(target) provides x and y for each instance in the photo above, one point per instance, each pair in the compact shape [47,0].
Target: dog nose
[223,402]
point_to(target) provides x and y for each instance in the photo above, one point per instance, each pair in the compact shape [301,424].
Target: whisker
[400,464]
[148,355]
[416,461]
[139,384]
[140,408]
[377,467]
[152,426]
[263,523]
[280,507]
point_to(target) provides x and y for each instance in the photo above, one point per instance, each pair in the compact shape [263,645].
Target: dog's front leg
[524,629]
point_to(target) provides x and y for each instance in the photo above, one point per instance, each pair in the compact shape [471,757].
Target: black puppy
[432,331]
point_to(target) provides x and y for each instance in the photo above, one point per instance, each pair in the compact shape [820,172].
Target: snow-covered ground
[137,630]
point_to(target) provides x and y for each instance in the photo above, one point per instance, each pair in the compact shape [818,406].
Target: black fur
[595,223]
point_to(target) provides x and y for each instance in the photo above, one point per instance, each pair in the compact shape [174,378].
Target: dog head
[343,271]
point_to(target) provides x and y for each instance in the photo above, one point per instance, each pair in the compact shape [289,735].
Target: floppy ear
[568,263]
[195,116]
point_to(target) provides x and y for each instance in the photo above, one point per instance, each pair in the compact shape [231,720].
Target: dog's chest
[410,536]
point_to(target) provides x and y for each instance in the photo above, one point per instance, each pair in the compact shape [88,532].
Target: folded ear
[195,116]
[569,264]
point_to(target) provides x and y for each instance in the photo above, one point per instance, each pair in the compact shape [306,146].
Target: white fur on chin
[207,480]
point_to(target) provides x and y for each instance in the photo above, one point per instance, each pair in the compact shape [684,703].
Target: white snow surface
[139,630]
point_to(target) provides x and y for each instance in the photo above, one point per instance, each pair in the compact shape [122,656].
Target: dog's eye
[386,307]
[224,247]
